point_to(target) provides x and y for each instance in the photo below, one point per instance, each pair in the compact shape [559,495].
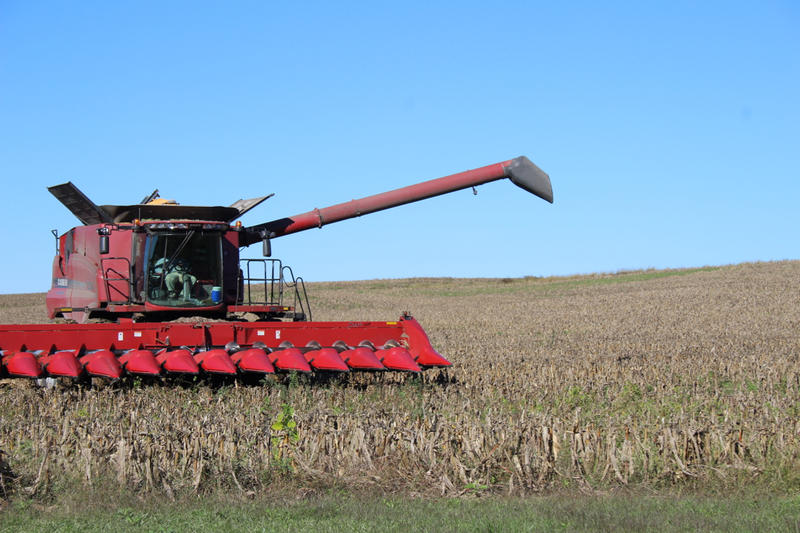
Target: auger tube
[521,171]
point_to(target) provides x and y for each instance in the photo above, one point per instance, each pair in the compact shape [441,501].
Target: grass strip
[342,512]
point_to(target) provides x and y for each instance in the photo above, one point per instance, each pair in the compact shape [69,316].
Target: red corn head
[178,361]
[62,363]
[420,347]
[253,360]
[101,363]
[326,359]
[22,364]
[141,362]
[216,361]
[361,358]
[427,356]
[397,358]
[290,359]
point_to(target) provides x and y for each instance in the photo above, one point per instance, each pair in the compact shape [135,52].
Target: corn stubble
[642,379]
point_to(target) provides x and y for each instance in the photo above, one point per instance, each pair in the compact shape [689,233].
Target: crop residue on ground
[649,380]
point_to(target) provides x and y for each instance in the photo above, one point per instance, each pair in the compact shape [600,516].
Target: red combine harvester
[159,289]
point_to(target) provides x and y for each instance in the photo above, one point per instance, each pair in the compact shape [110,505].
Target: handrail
[107,279]
[273,284]
[276,278]
[300,299]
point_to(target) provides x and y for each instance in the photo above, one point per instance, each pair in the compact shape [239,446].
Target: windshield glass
[183,268]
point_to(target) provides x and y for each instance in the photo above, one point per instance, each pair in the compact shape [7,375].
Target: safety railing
[113,279]
[270,282]
[298,288]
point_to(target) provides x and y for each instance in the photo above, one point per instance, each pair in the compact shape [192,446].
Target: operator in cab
[178,280]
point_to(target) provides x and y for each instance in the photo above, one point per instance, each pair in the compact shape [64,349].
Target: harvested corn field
[655,378]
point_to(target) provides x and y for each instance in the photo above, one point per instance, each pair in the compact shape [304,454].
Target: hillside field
[646,380]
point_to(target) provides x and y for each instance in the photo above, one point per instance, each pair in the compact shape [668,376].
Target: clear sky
[670,130]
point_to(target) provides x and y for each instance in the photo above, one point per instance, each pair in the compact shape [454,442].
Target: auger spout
[521,171]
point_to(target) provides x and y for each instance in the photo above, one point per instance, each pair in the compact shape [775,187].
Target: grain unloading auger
[125,276]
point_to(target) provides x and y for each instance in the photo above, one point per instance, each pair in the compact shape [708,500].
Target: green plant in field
[476,487]
[575,397]
[726,387]
[223,391]
[630,398]
[265,404]
[284,435]
[25,448]
[290,385]
[285,424]
[132,517]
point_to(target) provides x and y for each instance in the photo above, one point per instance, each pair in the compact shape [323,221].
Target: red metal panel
[216,361]
[21,364]
[178,361]
[397,358]
[101,363]
[140,362]
[326,359]
[253,360]
[290,359]
[63,363]
[362,358]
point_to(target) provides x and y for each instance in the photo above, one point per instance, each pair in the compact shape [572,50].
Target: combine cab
[158,288]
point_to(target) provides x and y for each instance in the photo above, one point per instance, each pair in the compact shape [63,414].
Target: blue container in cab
[216,294]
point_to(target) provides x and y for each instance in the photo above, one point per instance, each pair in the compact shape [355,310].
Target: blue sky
[669,130]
